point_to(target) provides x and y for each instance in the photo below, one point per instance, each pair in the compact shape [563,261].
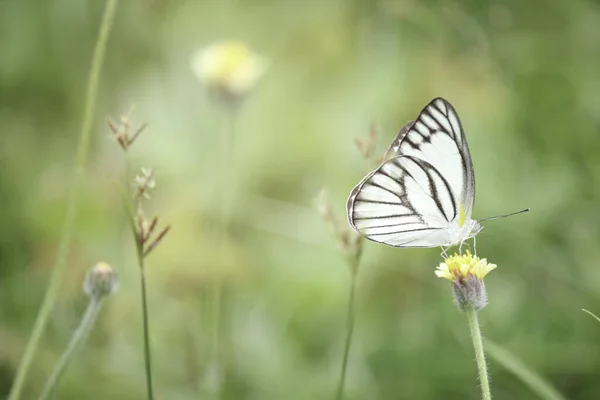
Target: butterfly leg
[466,244]
[475,245]
[443,253]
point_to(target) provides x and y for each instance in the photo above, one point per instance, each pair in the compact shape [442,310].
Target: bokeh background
[523,76]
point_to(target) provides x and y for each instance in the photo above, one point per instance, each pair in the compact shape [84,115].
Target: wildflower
[466,272]
[229,68]
[100,281]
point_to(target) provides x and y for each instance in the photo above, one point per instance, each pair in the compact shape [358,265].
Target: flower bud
[100,281]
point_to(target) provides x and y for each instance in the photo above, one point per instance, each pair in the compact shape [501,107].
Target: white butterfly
[423,193]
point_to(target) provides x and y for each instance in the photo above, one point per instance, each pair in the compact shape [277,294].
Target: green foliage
[523,78]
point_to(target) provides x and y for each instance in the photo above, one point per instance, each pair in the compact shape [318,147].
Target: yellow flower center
[459,267]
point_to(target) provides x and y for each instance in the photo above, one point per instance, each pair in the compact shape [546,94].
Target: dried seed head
[122,132]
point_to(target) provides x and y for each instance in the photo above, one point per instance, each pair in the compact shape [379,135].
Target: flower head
[100,281]
[466,272]
[229,68]
[461,266]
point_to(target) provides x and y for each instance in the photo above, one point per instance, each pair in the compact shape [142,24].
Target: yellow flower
[459,267]
[466,272]
[228,67]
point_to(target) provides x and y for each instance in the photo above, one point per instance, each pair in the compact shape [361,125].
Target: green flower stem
[147,360]
[349,333]
[479,354]
[131,210]
[225,195]
[86,324]
[140,258]
[67,231]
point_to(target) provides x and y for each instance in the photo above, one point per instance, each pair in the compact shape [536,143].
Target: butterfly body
[459,234]
[423,193]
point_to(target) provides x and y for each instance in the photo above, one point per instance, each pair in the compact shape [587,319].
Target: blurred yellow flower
[229,67]
[460,267]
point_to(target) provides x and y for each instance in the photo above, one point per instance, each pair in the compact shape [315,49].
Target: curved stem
[479,353]
[86,324]
[349,334]
[67,231]
[591,313]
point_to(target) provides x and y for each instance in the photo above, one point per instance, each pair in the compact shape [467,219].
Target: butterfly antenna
[505,215]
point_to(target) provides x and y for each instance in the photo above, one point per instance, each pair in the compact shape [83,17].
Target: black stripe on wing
[405,231]
[370,214]
[384,216]
[434,192]
[371,200]
[438,118]
[395,146]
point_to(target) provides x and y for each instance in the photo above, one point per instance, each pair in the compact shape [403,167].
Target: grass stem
[591,313]
[69,222]
[132,211]
[349,333]
[147,359]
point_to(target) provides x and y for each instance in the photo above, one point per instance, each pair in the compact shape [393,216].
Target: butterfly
[423,193]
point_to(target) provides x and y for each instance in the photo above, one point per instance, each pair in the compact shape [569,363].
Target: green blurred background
[523,76]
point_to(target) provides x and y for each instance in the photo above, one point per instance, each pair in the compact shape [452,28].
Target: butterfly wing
[405,202]
[425,185]
[392,151]
[438,138]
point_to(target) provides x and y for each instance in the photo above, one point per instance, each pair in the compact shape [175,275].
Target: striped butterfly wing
[437,137]
[394,148]
[405,202]
[425,184]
